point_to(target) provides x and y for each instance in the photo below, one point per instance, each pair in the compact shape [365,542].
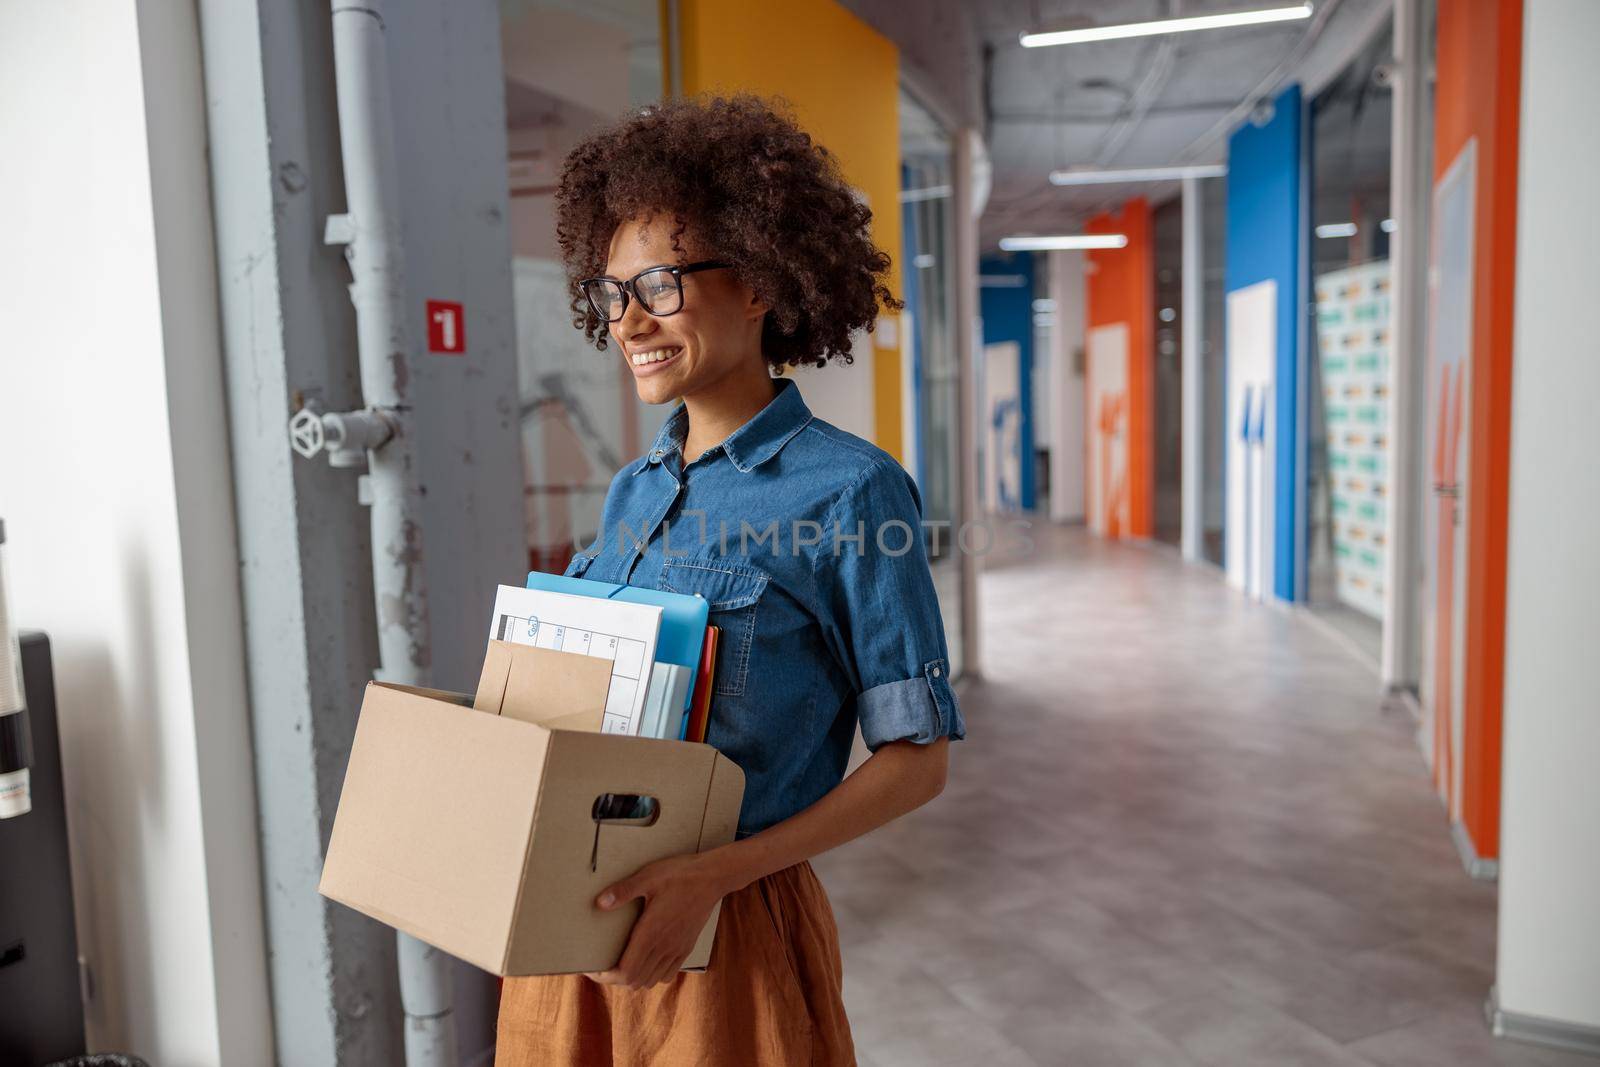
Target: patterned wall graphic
[1005,306]
[1251,424]
[1002,427]
[1109,418]
[1353,331]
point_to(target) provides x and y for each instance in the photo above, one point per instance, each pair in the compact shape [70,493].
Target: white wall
[841,394]
[1549,953]
[1066,382]
[116,499]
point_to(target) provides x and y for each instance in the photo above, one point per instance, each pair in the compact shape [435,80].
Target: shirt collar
[752,444]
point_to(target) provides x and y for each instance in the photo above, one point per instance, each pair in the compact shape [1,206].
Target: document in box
[621,632]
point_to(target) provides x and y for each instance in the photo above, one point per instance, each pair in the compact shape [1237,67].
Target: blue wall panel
[1266,239]
[1007,311]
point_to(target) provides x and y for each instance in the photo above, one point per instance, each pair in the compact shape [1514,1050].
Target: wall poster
[1250,425]
[1001,425]
[1353,337]
[1450,306]
[1108,430]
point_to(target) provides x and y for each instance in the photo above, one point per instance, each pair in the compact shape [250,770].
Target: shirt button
[936,672]
[656,454]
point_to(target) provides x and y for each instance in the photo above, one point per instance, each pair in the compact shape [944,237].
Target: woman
[714,243]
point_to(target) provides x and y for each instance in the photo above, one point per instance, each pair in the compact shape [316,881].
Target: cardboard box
[473,829]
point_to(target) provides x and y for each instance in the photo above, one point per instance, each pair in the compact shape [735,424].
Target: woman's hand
[679,893]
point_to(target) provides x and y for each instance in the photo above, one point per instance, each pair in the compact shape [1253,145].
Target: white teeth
[654,356]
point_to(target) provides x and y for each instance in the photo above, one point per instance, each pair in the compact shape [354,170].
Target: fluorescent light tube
[1336,229]
[1136,174]
[1161,26]
[931,192]
[1064,242]
[1387,225]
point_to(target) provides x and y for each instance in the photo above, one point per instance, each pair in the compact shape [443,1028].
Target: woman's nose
[636,323]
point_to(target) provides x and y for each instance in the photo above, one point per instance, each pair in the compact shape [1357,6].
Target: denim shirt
[806,541]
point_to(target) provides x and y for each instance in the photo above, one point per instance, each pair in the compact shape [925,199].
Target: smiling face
[716,336]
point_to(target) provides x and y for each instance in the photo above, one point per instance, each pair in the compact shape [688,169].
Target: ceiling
[1137,102]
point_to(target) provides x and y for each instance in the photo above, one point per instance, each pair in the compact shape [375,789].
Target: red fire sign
[447,331]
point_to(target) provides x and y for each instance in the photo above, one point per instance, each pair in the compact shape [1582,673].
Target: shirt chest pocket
[733,592]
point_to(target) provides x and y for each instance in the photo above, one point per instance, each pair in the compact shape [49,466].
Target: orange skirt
[771,994]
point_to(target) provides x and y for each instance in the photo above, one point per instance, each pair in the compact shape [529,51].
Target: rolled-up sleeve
[885,614]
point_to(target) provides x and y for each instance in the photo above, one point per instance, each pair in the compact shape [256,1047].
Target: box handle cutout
[621,809]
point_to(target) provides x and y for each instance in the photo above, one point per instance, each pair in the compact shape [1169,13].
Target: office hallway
[1180,833]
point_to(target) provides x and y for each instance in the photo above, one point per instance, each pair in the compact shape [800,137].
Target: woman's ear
[755,307]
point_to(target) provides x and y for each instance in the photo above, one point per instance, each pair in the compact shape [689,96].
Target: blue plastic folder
[683,617]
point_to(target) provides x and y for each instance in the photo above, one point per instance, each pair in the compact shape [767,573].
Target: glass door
[1348,439]
[932,378]
[570,67]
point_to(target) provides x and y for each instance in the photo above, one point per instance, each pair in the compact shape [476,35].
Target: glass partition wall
[932,395]
[581,418]
[1167,421]
[1213,363]
[1348,440]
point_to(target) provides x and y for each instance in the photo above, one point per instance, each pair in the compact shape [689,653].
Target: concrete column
[1066,392]
[1410,191]
[968,160]
[1193,529]
[1548,963]
[288,334]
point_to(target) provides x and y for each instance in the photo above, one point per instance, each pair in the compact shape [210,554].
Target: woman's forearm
[898,778]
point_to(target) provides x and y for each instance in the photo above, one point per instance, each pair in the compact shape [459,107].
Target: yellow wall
[843,79]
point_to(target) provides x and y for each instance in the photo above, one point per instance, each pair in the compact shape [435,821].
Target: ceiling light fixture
[1065,242]
[1086,176]
[1336,229]
[1218,21]
[1387,225]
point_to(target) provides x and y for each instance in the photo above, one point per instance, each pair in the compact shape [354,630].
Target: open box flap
[558,690]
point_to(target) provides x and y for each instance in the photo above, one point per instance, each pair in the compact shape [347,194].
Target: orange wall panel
[1121,288]
[1479,64]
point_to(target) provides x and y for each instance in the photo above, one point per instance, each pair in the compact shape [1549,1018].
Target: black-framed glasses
[659,290]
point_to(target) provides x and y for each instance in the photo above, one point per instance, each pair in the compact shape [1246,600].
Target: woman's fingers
[656,971]
[662,972]
[649,971]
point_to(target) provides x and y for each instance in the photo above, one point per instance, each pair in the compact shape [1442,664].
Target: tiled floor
[1180,833]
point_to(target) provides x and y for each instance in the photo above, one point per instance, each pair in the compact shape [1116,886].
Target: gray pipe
[378,290]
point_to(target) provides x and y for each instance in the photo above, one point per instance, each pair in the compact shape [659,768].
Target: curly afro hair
[749,187]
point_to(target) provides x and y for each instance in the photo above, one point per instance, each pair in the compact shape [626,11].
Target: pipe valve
[346,436]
